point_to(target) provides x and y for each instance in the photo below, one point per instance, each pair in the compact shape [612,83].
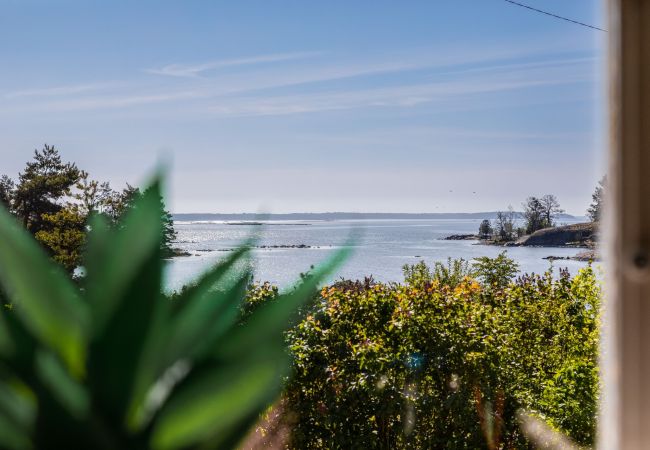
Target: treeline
[54,200]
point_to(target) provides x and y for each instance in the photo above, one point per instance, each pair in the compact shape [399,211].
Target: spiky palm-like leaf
[114,364]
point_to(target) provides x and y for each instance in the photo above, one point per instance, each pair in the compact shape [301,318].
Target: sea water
[380,249]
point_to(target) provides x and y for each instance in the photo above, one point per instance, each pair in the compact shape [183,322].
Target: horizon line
[351,212]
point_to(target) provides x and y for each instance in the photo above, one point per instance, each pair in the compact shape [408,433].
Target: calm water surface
[383,247]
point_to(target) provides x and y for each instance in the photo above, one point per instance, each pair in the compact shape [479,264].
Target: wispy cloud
[61,90]
[456,94]
[195,70]
[319,87]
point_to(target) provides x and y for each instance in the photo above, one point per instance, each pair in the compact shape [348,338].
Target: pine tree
[42,187]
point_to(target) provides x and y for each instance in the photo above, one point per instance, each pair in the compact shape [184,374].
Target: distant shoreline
[254,217]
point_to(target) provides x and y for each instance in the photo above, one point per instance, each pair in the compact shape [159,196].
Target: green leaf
[117,354]
[17,403]
[7,345]
[187,340]
[203,308]
[210,279]
[45,299]
[12,438]
[216,399]
[124,289]
[115,258]
[66,390]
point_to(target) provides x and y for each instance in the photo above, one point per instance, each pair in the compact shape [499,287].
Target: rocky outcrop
[585,256]
[575,235]
[462,237]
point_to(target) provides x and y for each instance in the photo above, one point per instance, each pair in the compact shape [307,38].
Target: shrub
[451,274]
[429,365]
[495,272]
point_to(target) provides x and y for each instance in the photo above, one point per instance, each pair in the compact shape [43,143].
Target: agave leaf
[187,343]
[224,319]
[17,404]
[115,258]
[124,274]
[11,437]
[46,301]
[71,395]
[271,320]
[200,312]
[117,354]
[218,397]
[21,360]
[208,280]
[205,311]
[7,345]
[150,365]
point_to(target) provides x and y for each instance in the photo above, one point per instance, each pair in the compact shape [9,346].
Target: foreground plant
[115,364]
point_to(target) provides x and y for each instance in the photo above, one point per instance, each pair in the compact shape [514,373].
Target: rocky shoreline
[579,235]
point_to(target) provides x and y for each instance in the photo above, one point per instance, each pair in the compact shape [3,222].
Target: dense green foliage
[114,364]
[55,200]
[440,363]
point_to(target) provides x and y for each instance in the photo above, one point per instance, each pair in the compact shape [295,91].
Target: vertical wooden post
[625,410]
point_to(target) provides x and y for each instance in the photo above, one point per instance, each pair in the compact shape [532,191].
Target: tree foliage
[54,201]
[7,187]
[485,229]
[505,225]
[551,209]
[595,209]
[541,212]
[426,364]
[64,236]
[42,188]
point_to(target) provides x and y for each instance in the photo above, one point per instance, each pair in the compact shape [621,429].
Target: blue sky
[284,106]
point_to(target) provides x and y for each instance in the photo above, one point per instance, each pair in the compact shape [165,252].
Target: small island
[536,226]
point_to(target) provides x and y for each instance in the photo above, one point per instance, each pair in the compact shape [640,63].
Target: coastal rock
[462,237]
[587,255]
[575,235]
[286,246]
[176,252]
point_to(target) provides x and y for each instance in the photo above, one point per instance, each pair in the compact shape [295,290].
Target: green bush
[495,272]
[114,364]
[431,364]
